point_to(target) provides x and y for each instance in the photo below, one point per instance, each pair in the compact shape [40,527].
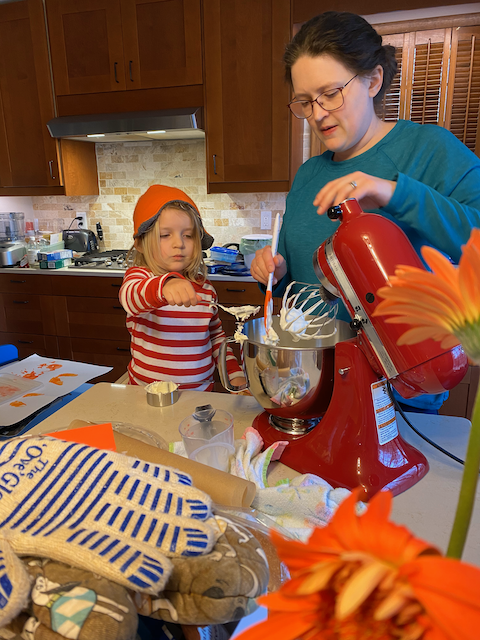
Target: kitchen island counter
[427,508]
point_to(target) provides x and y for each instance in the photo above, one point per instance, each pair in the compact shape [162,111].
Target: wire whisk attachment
[306,315]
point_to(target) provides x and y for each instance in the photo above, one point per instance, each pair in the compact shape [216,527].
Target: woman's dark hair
[348,38]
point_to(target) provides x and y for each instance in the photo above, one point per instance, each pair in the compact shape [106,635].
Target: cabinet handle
[130,70]
[18,281]
[123,349]
[50,167]
[214,164]
[117,306]
[21,301]
[237,290]
[25,341]
[115,71]
[112,284]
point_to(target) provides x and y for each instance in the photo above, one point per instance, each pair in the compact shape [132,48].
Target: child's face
[175,244]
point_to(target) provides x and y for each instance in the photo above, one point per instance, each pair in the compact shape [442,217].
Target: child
[175,333]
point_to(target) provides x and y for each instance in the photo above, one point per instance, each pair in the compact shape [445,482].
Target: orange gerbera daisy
[366,578]
[443,304]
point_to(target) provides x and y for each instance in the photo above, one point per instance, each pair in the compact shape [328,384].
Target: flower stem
[468,489]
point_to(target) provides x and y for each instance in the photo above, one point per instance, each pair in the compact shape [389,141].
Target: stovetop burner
[115,259]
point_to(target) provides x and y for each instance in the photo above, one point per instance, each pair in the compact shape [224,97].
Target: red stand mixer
[329,400]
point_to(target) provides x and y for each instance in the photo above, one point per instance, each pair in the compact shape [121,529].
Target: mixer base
[344,448]
[293,426]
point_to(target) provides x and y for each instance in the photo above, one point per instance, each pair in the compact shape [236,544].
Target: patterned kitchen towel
[297,505]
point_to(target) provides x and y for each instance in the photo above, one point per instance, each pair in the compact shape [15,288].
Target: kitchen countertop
[427,508]
[110,273]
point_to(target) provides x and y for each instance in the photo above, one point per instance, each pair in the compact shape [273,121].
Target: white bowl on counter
[250,244]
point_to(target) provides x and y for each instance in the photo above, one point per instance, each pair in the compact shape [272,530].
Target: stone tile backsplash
[126,170]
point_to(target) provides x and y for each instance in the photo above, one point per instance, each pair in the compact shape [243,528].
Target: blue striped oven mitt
[117,516]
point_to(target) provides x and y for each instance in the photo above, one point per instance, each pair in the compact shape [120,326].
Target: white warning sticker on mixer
[384,409]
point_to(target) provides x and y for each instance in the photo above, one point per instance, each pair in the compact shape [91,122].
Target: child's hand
[181,293]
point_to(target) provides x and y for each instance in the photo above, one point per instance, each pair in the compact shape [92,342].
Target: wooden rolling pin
[222,487]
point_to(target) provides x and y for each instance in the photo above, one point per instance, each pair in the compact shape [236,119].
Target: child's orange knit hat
[150,205]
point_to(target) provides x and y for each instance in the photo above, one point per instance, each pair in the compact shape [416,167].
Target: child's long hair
[142,256]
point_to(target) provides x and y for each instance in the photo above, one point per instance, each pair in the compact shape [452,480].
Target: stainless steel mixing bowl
[292,381]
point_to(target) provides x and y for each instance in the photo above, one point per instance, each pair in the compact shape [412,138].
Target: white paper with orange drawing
[55,378]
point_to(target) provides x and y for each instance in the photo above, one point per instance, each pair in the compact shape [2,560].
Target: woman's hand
[370,192]
[264,263]
[179,292]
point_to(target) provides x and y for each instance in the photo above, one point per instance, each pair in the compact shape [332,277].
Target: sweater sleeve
[141,291]
[439,198]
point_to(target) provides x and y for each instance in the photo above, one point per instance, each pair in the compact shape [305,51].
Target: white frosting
[162,386]
[239,335]
[242,314]
[293,320]
[271,337]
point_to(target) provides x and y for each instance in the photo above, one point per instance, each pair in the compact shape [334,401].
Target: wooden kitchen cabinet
[31,161]
[247,119]
[461,399]
[108,353]
[26,312]
[102,46]
[90,323]
[60,316]
[30,343]
[90,318]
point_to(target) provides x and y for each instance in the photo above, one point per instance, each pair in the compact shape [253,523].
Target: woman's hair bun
[348,38]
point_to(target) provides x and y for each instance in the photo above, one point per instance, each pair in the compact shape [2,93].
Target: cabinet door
[28,154]
[247,121]
[27,313]
[86,46]
[162,43]
[90,318]
[108,353]
[25,283]
[30,343]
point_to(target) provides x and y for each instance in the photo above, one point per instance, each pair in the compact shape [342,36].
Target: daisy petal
[440,265]
[452,605]
[283,626]
[417,334]
[319,578]
[359,587]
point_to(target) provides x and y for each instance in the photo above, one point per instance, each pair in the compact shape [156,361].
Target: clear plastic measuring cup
[208,436]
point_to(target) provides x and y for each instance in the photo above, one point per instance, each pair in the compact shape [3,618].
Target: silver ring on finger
[353,184]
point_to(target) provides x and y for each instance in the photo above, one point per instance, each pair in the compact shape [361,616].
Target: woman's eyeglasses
[329,101]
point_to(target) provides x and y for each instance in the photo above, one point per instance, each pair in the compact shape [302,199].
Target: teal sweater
[436,201]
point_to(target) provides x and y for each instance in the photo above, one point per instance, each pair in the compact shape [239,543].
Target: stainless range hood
[167,124]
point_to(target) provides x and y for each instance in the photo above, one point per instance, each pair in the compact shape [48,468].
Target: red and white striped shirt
[168,342]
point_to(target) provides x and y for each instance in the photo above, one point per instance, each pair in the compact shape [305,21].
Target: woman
[420,176]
